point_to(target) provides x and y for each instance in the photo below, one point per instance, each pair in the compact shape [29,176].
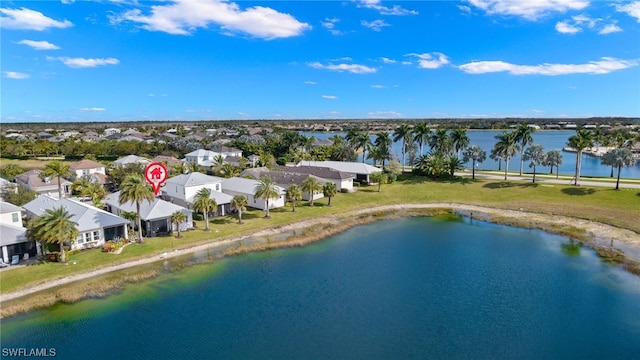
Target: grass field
[618,208]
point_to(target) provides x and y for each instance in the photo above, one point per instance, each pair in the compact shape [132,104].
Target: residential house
[228,151]
[182,190]
[94,225]
[111,131]
[202,157]
[360,171]
[285,179]
[94,171]
[155,215]
[13,236]
[168,161]
[32,180]
[343,180]
[132,159]
[6,183]
[247,187]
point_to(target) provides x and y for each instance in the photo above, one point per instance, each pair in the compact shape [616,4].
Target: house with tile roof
[93,170]
[32,180]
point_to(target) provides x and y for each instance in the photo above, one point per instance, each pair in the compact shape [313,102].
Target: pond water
[443,287]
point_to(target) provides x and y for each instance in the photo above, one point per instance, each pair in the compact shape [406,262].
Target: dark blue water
[550,140]
[397,289]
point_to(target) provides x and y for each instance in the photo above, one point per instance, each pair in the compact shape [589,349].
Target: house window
[80,239]
[217,187]
[87,237]
[96,235]
[85,172]
[15,217]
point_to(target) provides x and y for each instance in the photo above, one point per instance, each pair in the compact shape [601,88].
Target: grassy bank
[618,208]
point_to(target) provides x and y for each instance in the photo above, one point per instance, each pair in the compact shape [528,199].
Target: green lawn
[619,208]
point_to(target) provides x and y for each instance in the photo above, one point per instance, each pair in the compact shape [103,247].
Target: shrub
[198,217]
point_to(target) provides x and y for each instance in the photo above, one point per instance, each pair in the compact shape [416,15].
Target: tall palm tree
[96,192]
[59,170]
[312,186]
[618,158]
[402,133]
[421,134]
[383,144]
[523,136]
[54,226]
[477,155]
[134,189]
[294,194]
[363,141]
[330,189]
[178,217]
[203,203]
[553,158]
[9,171]
[536,154]
[581,140]
[240,203]
[494,155]
[459,140]
[229,170]
[440,141]
[506,148]
[80,184]
[266,189]
[352,136]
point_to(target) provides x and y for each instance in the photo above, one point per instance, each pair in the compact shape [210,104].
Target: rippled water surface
[407,288]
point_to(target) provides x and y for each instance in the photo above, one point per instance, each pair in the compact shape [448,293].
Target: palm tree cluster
[55,226]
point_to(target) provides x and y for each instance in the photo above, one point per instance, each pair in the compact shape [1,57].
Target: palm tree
[240,203]
[135,189]
[553,158]
[203,203]
[57,169]
[581,140]
[363,141]
[312,186]
[378,177]
[80,184]
[459,140]
[193,167]
[178,217]
[129,215]
[229,170]
[218,161]
[434,164]
[476,154]
[402,133]
[294,194]
[523,136]
[440,141]
[330,189]
[343,152]
[352,136]
[9,171]
[383,146]
[618,158]
[54,226]
[506,147]
[494,155]
[96,192]
[266,190]
[421,134]
[536,154]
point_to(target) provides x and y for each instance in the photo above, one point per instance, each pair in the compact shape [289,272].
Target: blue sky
[65,61]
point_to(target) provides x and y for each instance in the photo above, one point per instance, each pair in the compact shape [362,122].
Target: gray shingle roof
[344,166]
[193,179]
[6,207]
[11,234]
[87,216]
[245,186]
[156,209]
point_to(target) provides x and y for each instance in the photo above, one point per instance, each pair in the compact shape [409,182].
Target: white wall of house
[84,172]
[258,203]
[183,193]
[346,184]
[89,239]
[12,218]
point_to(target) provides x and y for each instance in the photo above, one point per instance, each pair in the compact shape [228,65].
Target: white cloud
[183,17]
[310,82]
[67,2]
[431,60]
[632,9]
[387,60]
[92,109]
[330,24]
[378,86]
[603,66]
[464,9]
[83,62]
[27,19]
[39,45]
[565,28]
[528,9]
[610,29]
[384,10]
[352,68]
[384,114]
[331,97]
[15,75]
[375,25]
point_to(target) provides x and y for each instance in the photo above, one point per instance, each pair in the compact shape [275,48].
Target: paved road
[542,179]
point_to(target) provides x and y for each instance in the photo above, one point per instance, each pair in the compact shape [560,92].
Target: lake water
[550,140]
[441,288]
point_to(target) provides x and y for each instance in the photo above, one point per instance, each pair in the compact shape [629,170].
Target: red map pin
[156,174]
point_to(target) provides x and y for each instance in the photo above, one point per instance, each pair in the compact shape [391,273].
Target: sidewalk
[551,179]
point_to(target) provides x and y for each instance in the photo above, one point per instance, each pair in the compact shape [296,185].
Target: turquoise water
[436,288]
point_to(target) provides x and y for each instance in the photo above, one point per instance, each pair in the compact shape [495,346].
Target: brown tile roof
[85,164]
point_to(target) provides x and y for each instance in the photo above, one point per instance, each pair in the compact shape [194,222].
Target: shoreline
[593,234]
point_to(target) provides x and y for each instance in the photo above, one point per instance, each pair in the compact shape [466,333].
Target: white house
[228,151]
[95,225]
[155,215]
[202,157]
[182,190]
[360,171]
[31,180]
[286,179]
[343,180]
[247,187]
[111,131]
[94,171]
[10,214]
[131,159]
[13,236]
